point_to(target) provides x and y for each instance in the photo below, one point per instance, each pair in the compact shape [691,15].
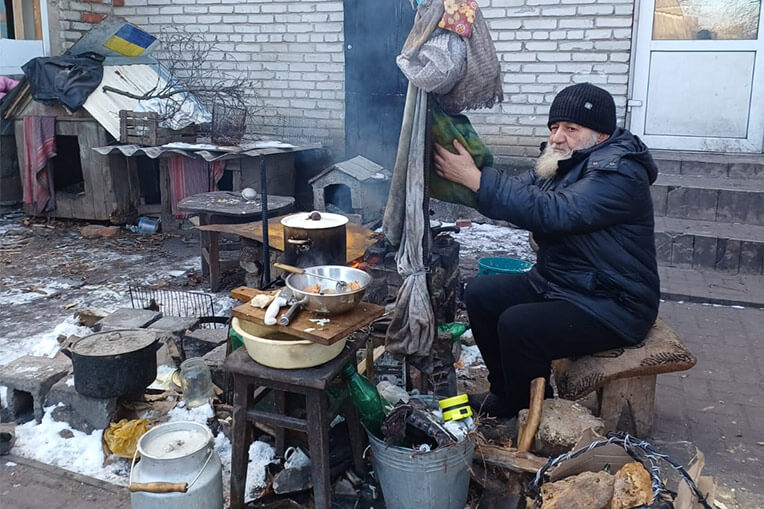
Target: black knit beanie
[584,104]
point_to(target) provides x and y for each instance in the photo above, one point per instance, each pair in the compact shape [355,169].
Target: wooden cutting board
[338,326]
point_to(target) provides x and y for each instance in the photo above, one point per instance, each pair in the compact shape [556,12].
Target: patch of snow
[198,414]
[260,456]
[70,381]
[477,240]
[164,374]
[471,356]
[81,453]
[10,464]
[3,396]
[44,344]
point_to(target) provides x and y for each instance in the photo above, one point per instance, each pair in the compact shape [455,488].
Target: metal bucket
[410,479]
[177,456]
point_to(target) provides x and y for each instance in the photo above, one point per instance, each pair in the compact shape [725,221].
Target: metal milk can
[179,469]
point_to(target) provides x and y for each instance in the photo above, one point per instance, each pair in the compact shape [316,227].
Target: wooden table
[226,207]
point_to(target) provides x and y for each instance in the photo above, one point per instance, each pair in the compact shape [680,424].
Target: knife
[279,300]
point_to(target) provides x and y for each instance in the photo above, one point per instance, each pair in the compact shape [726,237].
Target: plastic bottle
[365,398]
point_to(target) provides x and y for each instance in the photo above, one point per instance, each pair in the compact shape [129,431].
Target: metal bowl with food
[321,295]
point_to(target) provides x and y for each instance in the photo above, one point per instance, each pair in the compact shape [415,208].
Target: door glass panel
[706,19]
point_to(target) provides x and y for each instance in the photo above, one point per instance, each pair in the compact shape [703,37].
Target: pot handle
[159,487]
[67,350]
[299,242]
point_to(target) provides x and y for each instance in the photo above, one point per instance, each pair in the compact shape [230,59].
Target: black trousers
[519,333]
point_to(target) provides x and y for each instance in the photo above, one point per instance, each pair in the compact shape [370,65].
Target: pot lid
[114,342]
[174,440]
[314,220]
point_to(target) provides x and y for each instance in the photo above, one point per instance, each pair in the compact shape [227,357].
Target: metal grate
[177,303]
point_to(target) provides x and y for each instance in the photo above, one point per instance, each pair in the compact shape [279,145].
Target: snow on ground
[98,278]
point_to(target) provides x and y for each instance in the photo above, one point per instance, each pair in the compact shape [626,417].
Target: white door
[699,75]
[23,33]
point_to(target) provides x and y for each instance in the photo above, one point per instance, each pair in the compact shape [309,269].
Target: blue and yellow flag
[130,41]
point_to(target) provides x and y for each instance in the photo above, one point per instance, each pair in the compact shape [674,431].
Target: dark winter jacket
[593,222]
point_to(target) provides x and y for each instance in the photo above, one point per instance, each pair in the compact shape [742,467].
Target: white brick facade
[294,49]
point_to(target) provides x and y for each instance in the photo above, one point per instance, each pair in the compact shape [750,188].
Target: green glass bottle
[365,398]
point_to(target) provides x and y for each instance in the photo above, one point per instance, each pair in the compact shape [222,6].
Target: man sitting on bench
[595,285]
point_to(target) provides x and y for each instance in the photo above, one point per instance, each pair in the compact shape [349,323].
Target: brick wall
[294,50]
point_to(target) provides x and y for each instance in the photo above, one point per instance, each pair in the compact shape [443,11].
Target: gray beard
[547,162]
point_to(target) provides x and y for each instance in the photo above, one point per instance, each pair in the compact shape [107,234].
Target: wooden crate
[143,129]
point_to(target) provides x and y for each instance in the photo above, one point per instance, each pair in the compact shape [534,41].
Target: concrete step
[727,247]
[745,166]
[711,287]
[704,198]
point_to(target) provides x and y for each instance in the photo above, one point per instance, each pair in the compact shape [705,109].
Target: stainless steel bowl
[329,303]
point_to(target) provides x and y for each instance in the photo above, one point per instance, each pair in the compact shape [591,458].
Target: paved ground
[716,405]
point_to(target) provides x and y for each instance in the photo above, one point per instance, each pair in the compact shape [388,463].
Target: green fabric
[444,128]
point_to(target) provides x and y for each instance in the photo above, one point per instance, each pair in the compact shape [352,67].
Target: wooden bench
[624,378]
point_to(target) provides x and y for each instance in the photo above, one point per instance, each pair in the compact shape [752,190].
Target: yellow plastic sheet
[122,437]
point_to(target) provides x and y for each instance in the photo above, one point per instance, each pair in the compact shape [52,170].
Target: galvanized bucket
[438,479]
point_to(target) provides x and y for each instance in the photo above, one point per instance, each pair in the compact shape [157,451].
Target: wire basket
[228,123]
[178,303]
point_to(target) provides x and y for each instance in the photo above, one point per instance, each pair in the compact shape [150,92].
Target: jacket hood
[623,145]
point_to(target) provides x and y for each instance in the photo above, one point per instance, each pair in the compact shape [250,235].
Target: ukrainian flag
[130,41]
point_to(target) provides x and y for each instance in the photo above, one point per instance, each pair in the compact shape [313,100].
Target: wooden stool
[248,375]
[624,378]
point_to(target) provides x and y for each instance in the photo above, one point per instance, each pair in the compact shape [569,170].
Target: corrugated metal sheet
[136,79]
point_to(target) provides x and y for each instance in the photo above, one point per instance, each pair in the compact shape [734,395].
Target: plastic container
[438,479]
[178,452]
[502,265]
[196,382]
[275,349]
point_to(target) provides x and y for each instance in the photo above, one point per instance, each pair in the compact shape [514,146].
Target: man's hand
[459,168]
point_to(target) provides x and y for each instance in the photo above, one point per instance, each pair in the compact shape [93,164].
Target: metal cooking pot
[328,303]
[114,363]
[315,238]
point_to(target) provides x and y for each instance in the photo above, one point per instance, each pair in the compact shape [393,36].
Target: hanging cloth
[480,86]
[189,176]
[37,177]
[412,327]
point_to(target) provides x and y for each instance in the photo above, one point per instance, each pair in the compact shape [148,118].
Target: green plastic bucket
[502,265]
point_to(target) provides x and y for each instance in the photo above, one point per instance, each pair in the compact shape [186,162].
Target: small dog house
[355,186]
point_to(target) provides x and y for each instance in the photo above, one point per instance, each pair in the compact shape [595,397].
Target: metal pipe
[264,203]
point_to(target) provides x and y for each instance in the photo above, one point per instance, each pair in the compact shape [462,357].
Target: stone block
[201,341]
[563,422]
[669,167]
[215,359]
[704,253]
[28,380]
[691,203]
[751,258]
[82,412]
[746,170]
[728,255]
[659,195]
[176,325]
[705,169]
[128,318]
[663,242]
[740,207]
[681,251]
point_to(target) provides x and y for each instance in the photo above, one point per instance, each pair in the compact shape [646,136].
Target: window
[21,20]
